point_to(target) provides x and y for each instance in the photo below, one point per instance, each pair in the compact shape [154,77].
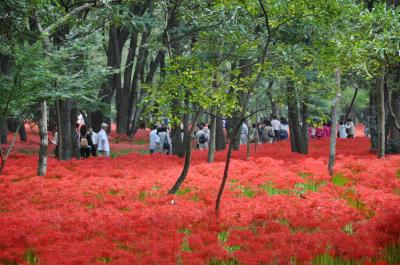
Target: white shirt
[275,124]
[154,139]
[95,138]
[103,141]
[245,129]
[342,131]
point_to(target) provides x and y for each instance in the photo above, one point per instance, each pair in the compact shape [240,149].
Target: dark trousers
[277,135]
[93,150]
[85,152]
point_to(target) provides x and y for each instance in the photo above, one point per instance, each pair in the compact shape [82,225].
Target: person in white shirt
[95,141]
[243,134]
[342,130]
[276,124]
[103,144]
[154,142]
[350,128]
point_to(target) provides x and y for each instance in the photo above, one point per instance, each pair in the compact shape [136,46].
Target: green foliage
[339,179]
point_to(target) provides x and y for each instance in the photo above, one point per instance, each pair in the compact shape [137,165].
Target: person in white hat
[103,145]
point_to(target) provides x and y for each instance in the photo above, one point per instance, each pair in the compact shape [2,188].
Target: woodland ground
[278,208]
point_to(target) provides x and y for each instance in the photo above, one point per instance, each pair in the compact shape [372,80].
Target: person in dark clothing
[85,142]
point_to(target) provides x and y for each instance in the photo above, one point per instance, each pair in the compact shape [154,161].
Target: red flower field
[278,208]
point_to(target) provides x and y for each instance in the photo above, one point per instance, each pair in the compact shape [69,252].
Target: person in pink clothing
[326,130]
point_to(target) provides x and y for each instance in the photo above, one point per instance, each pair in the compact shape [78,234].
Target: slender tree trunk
[248,143]
[213,129]
[332,143]
[4,155]
[42,166]
[219,135]
[188,157]
[294,121]
[351,104]
[73,132]
[3,130]
[59,130]
[304,117]
[379,86]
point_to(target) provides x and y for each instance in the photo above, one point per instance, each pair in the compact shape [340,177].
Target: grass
[142,196]
[398,174]
[182,192]
[392,254]
[348,229]
[351,197]
[247,191]
[114,192]
[105,260]
[271,190]
[326,259]
[339,180]
[30,257]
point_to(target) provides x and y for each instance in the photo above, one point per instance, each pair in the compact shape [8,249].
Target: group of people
[267,131]
[160,140]
[346,129]
[88,141]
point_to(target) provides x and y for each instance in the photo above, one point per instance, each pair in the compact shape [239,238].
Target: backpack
[202,138]
[166,144]
[84,142]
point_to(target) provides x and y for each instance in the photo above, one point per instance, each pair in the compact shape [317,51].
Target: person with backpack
[165,140]
[103,146]
[85,142]
[202,137]
[268,133]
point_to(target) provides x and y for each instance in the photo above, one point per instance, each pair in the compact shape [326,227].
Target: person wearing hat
[103,145]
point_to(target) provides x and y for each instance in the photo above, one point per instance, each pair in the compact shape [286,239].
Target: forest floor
[278,208]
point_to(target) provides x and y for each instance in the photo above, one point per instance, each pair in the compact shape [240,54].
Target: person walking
[350,128]
[342,130]
[85,142]
[154,140]
[95,141]
[103,145]
[165,140]
[284,129]
[275,123]
[268,133]
[202,137]
[243,134]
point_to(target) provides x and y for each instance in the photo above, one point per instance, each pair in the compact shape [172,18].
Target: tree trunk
[188,156]
[332,143]
[213,129]
[294,121]
[42,166]
[351,104]
[134,93]
[64,130]
[304,117]
[123,121]
[219,135]
[380,94]
[4,156]
[3,130]
[73,132]
[394,122]
[59,130]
